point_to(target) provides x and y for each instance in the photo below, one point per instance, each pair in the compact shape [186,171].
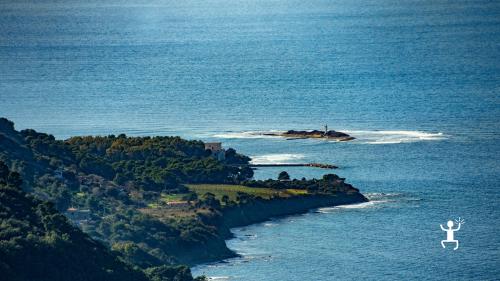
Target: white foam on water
[379,195]
[278,158]
[394,137]
[248,135]
[376,200]
[362,136]
[363,205]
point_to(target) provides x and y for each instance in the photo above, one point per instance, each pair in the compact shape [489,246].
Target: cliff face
[112,174]
[257,211]
[262,210]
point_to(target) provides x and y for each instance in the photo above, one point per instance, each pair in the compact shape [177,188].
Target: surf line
[314,165]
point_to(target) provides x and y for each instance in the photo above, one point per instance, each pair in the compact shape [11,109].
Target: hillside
[157,201]
[38,243]
[114,179]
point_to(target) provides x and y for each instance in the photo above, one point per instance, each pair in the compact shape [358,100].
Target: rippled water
[416,82]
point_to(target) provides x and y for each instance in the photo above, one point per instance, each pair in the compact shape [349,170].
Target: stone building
[218,152]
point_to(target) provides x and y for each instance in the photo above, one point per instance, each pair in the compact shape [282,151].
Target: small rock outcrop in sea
[331,134]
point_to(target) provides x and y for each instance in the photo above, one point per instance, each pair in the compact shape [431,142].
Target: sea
[416,82]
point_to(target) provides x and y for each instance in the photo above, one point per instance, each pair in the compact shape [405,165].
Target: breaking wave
[247,135]
[394,137]
[363,205]
[362,136]
[376,200]
[279,158]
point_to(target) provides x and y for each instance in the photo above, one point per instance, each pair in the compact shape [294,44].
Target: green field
[231,191]
[165,198]
[172,197]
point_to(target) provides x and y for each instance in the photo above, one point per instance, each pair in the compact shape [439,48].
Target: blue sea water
[417,82]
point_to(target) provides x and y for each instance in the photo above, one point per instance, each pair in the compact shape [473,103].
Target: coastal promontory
[153,204]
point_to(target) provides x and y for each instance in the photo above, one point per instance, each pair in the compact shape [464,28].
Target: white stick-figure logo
[450,232]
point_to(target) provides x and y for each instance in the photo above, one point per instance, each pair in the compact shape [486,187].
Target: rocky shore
[314,165]
[331,135]
[261,210]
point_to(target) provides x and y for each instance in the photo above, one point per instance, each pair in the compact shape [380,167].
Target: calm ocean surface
[417,82]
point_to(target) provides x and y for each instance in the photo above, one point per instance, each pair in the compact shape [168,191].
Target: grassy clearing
[295,192]
[172,197]
[231,191]
[153,206]
[165,198]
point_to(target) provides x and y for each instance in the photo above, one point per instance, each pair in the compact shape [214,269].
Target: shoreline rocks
[332,135]
[261,210]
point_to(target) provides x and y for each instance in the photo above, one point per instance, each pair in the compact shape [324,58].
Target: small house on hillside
[218,152]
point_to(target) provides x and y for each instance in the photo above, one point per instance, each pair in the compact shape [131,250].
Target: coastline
[263,210]
[183,233]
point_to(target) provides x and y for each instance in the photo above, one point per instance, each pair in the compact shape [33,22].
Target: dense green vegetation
[329,184]
[226,192]
[38,243]
[153,202]
[148,163]
[79,173]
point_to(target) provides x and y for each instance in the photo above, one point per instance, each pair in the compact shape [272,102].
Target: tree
[284,176]
[210,200]
[6,124]
[38,243]
[120,178]
[245,173]
[192,196]
[9,178]
[169,273]
[234,158]
[243,197]
[225,199]
[330,177]
[93,165]
[4,171]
